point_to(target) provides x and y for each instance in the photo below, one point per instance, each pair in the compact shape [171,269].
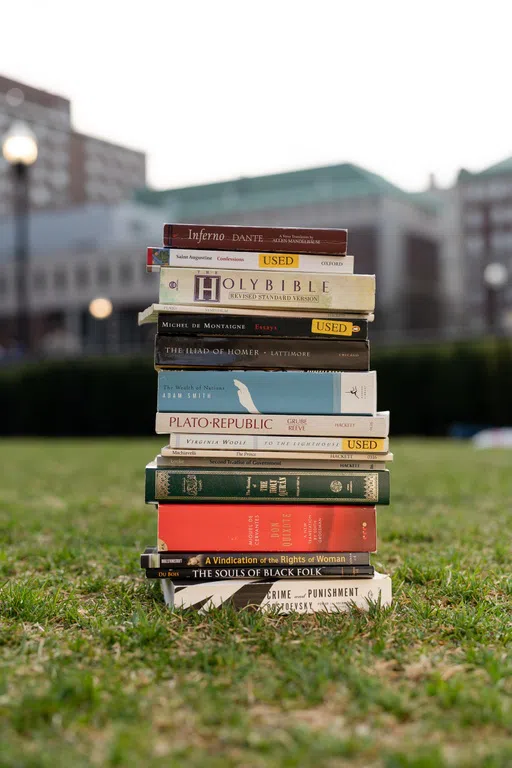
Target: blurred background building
[92,217]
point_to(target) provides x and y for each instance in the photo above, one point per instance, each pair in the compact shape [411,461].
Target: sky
[216,89]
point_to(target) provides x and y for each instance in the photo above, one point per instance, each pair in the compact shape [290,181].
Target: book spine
[266,239]
[324,426]
[271,463]
[231,288]
[175,324]
[264,572]
[339,449]
[255,559]
[286,596]
[285,487]
[266,354]
[298,262]
[151,313]
[277,392]
[266,528]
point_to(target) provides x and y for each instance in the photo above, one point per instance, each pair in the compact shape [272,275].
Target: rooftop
[280,190]
[503,167]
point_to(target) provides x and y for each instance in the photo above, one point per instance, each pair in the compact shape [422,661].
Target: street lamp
[19,148]
[100,308]
[495,277]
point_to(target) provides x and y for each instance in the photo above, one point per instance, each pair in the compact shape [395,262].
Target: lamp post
[495,277]
[19,147]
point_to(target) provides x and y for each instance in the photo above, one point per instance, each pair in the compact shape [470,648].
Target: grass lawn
[97,672]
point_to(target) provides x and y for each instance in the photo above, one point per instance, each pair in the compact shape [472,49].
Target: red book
[266,528]
[227,237]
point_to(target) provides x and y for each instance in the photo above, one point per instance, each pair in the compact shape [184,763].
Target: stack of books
[267,490]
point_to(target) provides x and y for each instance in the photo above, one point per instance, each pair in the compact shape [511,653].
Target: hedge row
[427,389]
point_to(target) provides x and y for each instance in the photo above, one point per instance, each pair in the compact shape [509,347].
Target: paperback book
[298,262]
[274,239]
[283,596]
[263,572]
[153,559]
[269,354]
[339,449]
[276,463]
[152,313]
[257,486]
[279,392]
[230,288]
[251,528]
[275,424]
[293,327]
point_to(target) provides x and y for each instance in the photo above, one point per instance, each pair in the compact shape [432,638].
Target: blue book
[295,392]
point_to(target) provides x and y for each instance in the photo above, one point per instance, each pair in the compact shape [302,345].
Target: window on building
[39,281]
[85,245]
[103,274]
[126,273]
[60,279]
[473,218]
[82,277]
[474,244]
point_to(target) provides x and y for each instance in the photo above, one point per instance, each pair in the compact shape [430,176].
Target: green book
[315,486]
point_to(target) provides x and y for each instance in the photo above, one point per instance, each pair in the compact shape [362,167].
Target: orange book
[266,528]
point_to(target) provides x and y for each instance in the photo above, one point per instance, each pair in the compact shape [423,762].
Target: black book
[169,560]
[262,572]
[261,353]
[171,324]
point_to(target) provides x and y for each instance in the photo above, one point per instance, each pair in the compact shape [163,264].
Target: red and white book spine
[266,528]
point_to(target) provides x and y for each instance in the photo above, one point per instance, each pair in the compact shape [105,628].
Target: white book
[285,290]
[338,448]
[317,463]
[274,424]
[168,452]
[330,595]
[296,262]
[150,314]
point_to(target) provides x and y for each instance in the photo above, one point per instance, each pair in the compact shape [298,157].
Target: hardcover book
[230,288]
[298,262]
[151,558]
[267,354]
[257,486]
[152,313]
[263,572]
[340,449]
[268,391]
[227,237]
[174,324]
[283,596]
[274,424]
[266,528]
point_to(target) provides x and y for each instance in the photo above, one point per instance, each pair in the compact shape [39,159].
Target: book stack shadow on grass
[276,458]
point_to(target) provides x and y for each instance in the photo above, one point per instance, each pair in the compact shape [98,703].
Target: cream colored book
[360,427]
[232,288]
[330,595]
[150,314]
[169,454]
[339,448]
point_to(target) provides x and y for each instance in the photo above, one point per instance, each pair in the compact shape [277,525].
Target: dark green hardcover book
[309,487]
